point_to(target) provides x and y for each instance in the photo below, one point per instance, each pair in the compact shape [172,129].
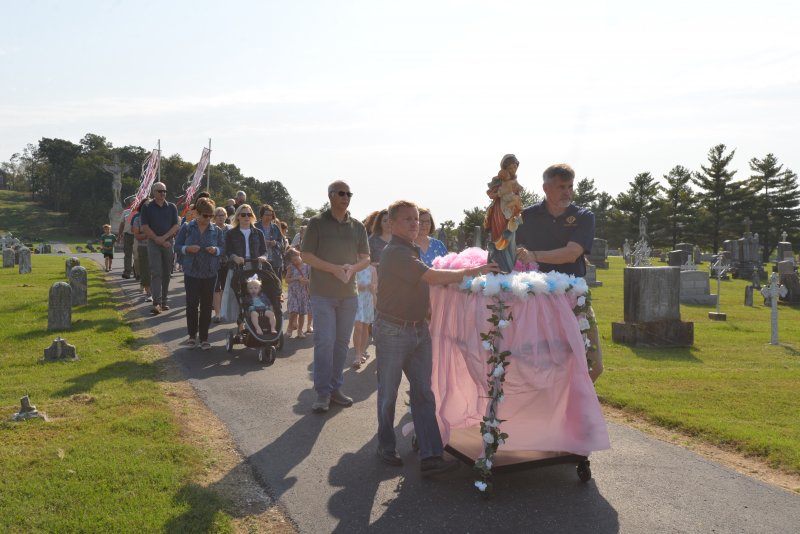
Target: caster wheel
[414,443]
[229,342]
[272,353]
[584,471]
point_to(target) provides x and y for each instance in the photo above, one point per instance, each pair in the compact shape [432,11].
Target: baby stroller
[245,333]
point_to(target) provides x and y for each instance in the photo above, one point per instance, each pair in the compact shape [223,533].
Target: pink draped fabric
[550,402]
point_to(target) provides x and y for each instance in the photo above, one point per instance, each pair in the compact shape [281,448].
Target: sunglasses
[245,214]
[206,215]
[347,194]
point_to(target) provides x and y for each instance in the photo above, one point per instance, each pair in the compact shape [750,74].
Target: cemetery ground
[34,224]
[128,447]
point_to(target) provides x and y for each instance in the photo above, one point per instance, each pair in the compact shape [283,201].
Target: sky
[416,100]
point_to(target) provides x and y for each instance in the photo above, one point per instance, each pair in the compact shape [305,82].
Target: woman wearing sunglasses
[200,244]
[245,242]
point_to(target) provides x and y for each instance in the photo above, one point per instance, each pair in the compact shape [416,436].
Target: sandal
[191,342]
[360,361]
[301,335]
[205,345]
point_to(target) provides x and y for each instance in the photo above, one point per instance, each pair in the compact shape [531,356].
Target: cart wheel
[414,442]
[280,342]
[229,342]
[584,471]
[271,353]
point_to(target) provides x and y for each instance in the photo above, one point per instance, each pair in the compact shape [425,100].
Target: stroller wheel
[229,342]
[272,352]
[584,471]
[261,354]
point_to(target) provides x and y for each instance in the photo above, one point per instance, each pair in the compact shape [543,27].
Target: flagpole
[208,175]
[159,160]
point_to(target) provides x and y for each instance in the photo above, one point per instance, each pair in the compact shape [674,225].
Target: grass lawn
[111,458]
[732,388]
[32,223]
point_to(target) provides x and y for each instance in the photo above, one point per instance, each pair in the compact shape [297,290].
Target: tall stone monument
[598,256]
[652,309]
[745,255]
[116,170]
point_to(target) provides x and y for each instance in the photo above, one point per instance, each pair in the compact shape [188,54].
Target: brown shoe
[156,309]
[340,398]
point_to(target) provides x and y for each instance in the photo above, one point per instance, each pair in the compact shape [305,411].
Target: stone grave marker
[477,237]
[771,294]
[591,276]
[60,350]
[26,411]
[8,258]
[652,309]
[78,281]
[626,252]
[695,288]
[720,268]
[787,277]
[598,256]
[24,260]
[59,307]
[677,258]
[70,263]
[461,239]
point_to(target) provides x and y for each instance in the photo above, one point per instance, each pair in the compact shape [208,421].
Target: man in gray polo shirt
[335,246]
[160,223]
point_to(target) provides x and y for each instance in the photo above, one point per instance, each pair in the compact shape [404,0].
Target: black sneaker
[164,307]
[436,465]
[390,457]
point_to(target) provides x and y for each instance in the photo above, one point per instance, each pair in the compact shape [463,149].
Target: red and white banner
[197,178]
[149,173]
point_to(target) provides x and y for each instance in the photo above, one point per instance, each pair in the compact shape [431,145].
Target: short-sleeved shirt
[338,243]
[136,223]
[126,216]
[160,219]
[435,249]
[541,231]
[108,241]
[376,246]
[402,294]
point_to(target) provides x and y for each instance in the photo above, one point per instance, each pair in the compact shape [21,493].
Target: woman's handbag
[229,309]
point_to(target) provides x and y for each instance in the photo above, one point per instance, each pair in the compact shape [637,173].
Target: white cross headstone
[784,235]
[720,267]
[772,292]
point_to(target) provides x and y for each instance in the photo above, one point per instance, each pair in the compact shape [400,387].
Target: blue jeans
[333,326]
[406,350]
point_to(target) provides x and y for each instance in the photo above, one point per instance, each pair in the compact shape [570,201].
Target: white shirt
[246,234]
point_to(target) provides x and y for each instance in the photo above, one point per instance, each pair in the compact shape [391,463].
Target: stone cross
[747,222]
[641,254]
[116,170]
[59,307]
[626,252]
[784,235]
[24,260]
[60,350]
[78,281]
[771,293]
[720,267]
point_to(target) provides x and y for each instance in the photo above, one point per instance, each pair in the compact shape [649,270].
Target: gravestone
[461,239]
[442,236]
[591,276]
[26,411]
[79,249]
[720,268]
[787,277]
[8,258]
[78,281]
[771,294]
[60,350]
[677,258]
[697,256]
[477,240]
[626,252]
[59,307]
[748,295]
[695,288]
[598,256]
[70,263]
[652,309]
[24,260]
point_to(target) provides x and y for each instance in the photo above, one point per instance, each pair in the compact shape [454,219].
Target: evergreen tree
[786,207]
[602,209]
[773,196]
[643,197]
[678,204]
[715,183]
[585,193]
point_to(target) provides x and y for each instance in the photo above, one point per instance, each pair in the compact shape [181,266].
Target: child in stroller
[258,303]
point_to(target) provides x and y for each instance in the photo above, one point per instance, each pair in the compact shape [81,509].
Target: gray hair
[155,186]
[335,185]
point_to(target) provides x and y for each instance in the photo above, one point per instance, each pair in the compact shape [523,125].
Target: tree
[643,197]
[472,218]
[528,197]
[275,194]
[59,155]
[774,199]
[786,207]
[602,209]
[716,191]
[585,193]
[678,202]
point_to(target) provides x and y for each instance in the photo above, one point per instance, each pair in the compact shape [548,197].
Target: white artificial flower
[580,287]
[561,281]
[480,485]
[581,300]
[501,441]
[502,324]
[488,464]
[492,285]
[539,283]
[498,371]
[583,323]
[476,284]
[519,285]
[587,342]
[501,398]
[487,345]
[488,438]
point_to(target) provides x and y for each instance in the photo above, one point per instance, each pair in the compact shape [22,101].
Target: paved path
[324,471]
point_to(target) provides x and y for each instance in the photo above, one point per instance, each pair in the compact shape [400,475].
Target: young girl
[367,282]
[256,302]
[297,276]
[108,239]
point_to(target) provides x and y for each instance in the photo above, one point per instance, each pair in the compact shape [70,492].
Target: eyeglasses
[268,214]
[245,214]
[347,194]
[162,191]
[206,215]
